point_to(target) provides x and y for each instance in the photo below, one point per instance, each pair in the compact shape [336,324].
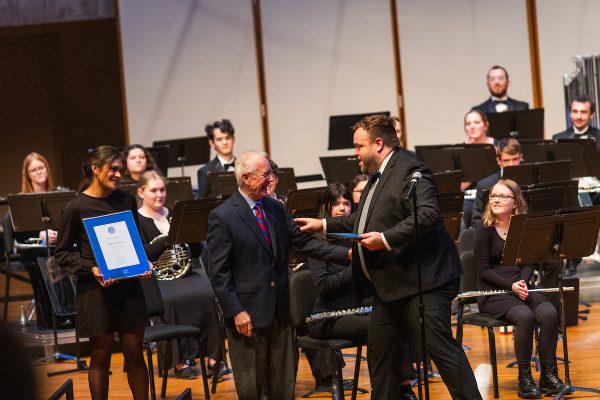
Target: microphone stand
[421,305]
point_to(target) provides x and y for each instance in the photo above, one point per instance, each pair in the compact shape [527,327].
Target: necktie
[375,177]
[262,221]
[226,166]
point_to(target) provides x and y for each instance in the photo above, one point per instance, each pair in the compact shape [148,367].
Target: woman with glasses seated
[523,309]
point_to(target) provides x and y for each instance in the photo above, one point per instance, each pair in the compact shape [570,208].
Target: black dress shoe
[527,386]
[550,383]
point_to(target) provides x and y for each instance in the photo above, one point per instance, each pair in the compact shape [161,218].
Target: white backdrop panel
[447,48]
[186,64]
[323,58]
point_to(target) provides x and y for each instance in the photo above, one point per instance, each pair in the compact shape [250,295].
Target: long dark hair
[333,192]
[99,157]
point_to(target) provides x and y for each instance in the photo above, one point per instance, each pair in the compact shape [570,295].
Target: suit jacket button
[272,284]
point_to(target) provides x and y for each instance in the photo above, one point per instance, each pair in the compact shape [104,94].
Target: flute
[478,293]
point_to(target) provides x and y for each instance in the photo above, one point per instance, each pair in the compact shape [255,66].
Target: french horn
[175,262]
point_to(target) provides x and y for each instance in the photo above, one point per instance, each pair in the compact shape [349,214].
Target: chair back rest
[154,301]
[468,280]
[466,240]
[303,293]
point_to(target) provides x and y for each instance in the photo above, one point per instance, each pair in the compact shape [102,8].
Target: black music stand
[178,189]
[539,172]
[525,124]
[287,181]
[187,151]
[340,169]
[161,157]
[537,150]
[39,212]
[451,206]
[190,225]
[449,181]
[581,152]
[340,129]
[554,237]
[222,183]
[475,160]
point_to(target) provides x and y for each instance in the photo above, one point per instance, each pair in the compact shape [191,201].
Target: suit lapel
[248,217]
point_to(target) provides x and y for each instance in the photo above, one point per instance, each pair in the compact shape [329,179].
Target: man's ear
[380,144]
[211,143]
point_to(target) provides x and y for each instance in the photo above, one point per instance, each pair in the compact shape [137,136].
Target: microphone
[412,186]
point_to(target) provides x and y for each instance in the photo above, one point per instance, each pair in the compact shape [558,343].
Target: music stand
[161,157]
[525,124]
[537,150]
[475,160]
[287,181]
[178,189]
[539,172]
[41,212]
[340,129]
[449,181]
[581,152]
[187,151]
[222,183]
[554,237]
[340,169]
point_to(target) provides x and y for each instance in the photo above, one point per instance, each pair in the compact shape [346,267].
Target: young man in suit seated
[221,139]
[497,83]
[582,111]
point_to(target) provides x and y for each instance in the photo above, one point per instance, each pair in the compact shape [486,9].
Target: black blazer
[394,273]
[488,106]
[203,184]
[570,134]
[246,273]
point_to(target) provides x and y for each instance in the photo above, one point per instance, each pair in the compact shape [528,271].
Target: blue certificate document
[117,245]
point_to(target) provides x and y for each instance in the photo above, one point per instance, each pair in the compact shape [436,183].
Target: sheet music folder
[475,160]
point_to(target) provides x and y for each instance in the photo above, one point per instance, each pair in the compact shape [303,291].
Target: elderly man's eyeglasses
[501,197]
[266,175]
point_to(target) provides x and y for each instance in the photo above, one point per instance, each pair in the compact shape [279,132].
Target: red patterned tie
[262,221]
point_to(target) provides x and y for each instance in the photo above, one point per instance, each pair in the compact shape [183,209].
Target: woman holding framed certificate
[103,306]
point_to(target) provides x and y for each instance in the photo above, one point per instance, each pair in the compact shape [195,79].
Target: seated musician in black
[523,309]
[189,299]
[336,292]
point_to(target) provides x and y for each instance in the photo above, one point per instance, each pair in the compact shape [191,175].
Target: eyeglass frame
[501,197]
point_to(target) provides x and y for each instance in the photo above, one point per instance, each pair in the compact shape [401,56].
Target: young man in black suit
[249,240]
[497,82]
[385,262]
[581,113]
[221,139]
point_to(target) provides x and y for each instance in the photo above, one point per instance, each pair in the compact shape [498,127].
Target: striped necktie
[262,221]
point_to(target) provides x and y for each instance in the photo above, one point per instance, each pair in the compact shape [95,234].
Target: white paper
[116,245]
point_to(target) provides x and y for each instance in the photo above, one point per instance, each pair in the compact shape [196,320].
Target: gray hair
[245,163]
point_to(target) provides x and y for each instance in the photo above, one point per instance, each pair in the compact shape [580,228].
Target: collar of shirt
[504,98]
[251,203]
[581,132]
[223,161]
[385,161]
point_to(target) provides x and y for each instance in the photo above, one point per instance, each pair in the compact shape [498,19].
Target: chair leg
[337,384]
[492,346]
[356,372]
[204,377]
[165,371]
[6,293]
[150,371]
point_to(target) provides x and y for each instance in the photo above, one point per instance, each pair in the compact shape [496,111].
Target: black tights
[525,319]
[133,351]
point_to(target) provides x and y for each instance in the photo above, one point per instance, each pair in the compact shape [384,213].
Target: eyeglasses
[266,175]
[41,168]
[501,197]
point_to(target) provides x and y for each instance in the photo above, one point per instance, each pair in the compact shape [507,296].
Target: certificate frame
[117,245]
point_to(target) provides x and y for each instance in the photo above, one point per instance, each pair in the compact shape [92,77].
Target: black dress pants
[394,322]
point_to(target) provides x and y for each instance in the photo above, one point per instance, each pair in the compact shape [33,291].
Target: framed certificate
[117,246]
